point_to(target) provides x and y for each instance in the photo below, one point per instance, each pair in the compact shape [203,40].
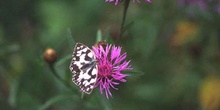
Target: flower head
[110,63]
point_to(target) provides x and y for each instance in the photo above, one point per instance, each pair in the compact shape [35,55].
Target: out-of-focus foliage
[175,49]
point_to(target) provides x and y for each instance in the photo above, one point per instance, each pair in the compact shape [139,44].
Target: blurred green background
[175,49]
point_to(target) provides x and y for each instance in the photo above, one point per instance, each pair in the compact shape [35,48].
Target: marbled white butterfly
[84,68]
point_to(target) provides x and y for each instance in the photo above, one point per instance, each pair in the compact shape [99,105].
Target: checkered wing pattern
[84,68]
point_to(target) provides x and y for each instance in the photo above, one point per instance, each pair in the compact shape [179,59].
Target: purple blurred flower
[204,5]
[116,1]
[111,63]
[217,8]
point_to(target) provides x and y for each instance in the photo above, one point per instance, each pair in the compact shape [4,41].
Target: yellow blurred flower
[210,93]
[185,32]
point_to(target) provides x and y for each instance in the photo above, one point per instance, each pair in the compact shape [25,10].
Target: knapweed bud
[100,43]
[50,55]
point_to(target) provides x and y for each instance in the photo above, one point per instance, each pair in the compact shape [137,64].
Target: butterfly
[84,68]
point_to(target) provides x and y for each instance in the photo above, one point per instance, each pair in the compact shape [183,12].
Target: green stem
[60,79]
[123,18]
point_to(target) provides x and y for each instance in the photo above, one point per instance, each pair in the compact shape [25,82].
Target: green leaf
[63,60]
[104,102]
[70,39]
[107,34]
[82,95]
[127,26]
[54,100]
[107,37]
[99,36]
[151,92]
[13,92]
[110,40]
[134,73]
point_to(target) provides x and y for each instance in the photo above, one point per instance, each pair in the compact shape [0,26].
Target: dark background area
[175,47]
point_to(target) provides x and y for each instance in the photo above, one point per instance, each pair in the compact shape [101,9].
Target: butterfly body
[84,68]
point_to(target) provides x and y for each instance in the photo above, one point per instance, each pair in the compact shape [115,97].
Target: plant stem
[60,79]
[123,18]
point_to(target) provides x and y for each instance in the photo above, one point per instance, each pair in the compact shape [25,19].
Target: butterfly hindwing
[84,68]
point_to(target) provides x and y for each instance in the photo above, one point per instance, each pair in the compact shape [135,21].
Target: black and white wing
[84,68]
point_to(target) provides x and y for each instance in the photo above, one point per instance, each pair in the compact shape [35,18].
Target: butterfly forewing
[84,68]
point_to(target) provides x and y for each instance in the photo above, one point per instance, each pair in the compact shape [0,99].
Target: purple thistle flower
[110,63]
[116,1]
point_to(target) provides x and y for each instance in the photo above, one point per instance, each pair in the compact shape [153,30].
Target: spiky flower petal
[111,62]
